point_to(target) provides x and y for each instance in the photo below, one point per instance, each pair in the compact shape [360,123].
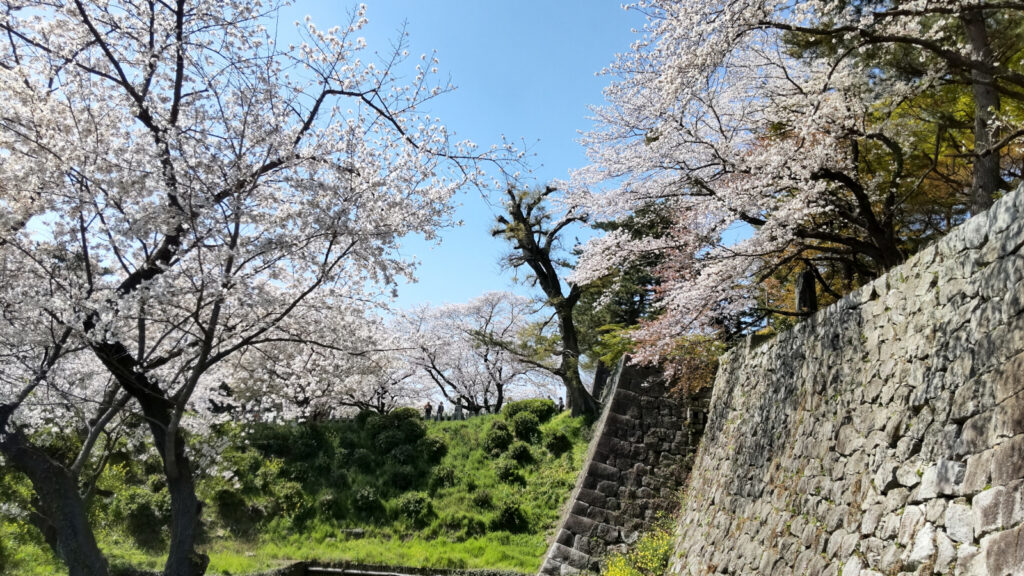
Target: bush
[520,452]
[497,438]
[526,426]
[364,416]
[433,449]
[387,440]
[510,518]
[542,408]
[143,515]
[400,477]
[507,471]
[444,476]
[330,505]
[557,443]
[362,459]
[367,501]
[405,413]
[234,511]
[483,500]
[415,507]
[404,454]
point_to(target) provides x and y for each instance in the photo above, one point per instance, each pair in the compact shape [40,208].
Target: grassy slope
[338,491]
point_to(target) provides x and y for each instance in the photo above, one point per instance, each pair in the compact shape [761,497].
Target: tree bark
[186,510]
[61,508]
[986,176]
[580,402]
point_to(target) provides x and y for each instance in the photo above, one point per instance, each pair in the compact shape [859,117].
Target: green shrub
[482,499]
[331,505]
[401,476]
[143,514]
[444,477]
[520,452]
[405,413]
[542,408]
[507,471]
[387,440]
[497,438]
[433,449]
[367,501]
[415,507]
[362,459]
[526,426]
[510,517]
[362,418]
[557,443]
[404,454]
[235,512]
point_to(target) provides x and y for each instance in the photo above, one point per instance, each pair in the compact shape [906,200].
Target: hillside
[479,493]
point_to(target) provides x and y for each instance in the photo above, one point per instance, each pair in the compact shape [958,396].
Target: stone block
[602,471]
[1004,552]
[923,548]
[591,497]
[959,522]
[945,553]
[849,440]
[911,521]
[978,472]
[1008,460]
[989,510]
[970,561]
[608,488]
[578,525]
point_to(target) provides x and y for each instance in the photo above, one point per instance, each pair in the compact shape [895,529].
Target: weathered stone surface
[884,435]
[959,522]
[923,548]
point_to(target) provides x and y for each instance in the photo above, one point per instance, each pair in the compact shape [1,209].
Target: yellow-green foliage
[649,555]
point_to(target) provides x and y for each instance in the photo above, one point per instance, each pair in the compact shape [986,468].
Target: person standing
[458,412]
[440,411]
[561,404]
[427,410]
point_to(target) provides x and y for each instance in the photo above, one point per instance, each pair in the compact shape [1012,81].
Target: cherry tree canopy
[781,137]
[464,350]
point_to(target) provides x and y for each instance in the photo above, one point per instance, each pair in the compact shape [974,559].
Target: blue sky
[523,68]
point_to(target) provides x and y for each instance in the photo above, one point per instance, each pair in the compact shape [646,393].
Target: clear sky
[523,68]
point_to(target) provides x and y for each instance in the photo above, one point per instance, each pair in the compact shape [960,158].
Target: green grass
[393,491]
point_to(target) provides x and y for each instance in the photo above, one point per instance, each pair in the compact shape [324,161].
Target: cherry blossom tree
[181,195]
[465,350]
[358,363]
[779,142]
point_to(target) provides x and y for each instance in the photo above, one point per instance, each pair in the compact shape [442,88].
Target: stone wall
[884,435]
[640,455]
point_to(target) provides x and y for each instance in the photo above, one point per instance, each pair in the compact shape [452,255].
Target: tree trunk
[986,176]
[601,375]
[579,401]
[186,510]
[61,507]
